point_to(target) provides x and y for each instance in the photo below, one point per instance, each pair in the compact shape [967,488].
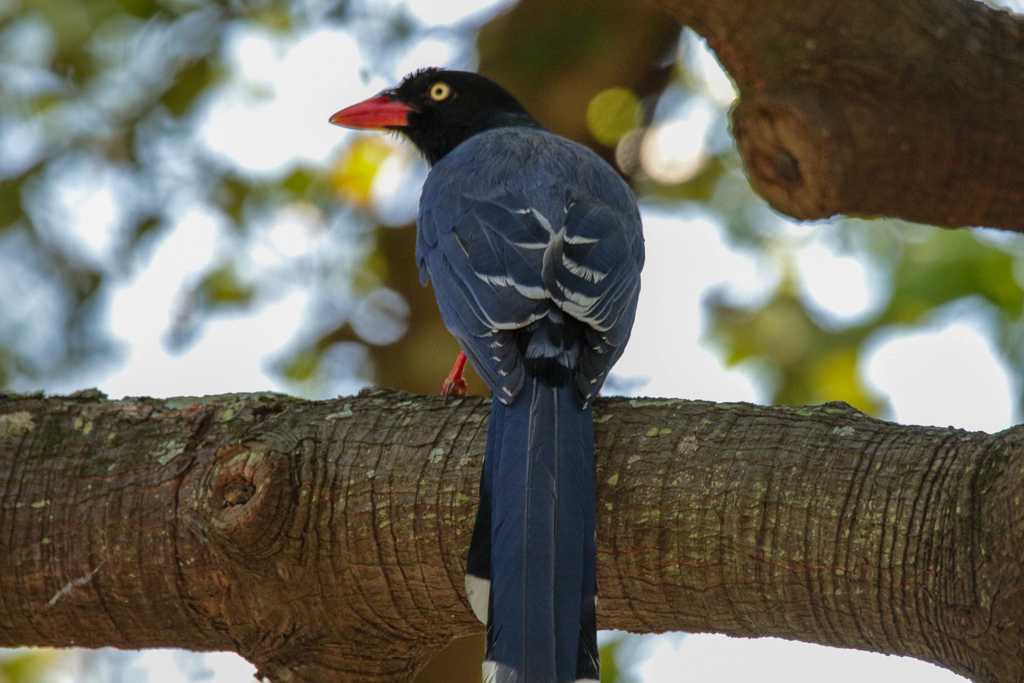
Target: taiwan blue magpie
[534,247]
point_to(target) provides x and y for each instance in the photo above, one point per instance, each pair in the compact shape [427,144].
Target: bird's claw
[453,386]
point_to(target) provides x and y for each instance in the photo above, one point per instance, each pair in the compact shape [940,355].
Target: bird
[534,247]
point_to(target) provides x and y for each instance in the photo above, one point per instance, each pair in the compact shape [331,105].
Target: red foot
[455,384]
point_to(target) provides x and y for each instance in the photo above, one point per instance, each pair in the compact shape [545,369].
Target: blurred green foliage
[611,667]
[811,361]
[25,666]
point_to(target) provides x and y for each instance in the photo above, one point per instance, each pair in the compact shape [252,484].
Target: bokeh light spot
[611,114]
[674,151]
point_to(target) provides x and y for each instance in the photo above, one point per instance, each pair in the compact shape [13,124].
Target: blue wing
[531,241]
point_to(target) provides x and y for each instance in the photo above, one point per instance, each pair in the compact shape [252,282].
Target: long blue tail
[531,570]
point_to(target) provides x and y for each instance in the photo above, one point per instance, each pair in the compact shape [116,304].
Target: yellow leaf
[353,175]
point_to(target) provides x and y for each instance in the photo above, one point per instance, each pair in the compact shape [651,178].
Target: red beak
[380,111]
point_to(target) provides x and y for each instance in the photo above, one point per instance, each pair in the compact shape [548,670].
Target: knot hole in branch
[249,499]
[790,147]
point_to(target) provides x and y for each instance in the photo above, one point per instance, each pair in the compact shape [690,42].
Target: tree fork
[324,540]
[912,108]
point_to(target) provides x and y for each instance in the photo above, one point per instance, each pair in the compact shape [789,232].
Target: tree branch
[912,109]
[324,541]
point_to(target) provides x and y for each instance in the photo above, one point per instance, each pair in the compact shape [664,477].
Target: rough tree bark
[905,108]
[324,541]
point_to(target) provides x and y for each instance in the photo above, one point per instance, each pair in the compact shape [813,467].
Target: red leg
[455,384]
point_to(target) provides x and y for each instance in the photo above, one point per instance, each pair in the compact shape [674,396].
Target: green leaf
[300,181]
[303,366]
[191,82]
[10,202]
[223,287]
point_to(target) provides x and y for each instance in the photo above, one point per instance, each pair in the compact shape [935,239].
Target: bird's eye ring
[440,91]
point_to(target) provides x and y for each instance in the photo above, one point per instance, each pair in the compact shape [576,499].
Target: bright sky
[274,114]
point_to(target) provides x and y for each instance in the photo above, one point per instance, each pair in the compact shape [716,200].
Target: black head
[438,110]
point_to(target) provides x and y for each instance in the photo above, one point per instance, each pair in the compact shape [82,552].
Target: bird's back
[549,235]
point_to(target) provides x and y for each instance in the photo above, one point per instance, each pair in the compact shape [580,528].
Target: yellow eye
[440,91]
